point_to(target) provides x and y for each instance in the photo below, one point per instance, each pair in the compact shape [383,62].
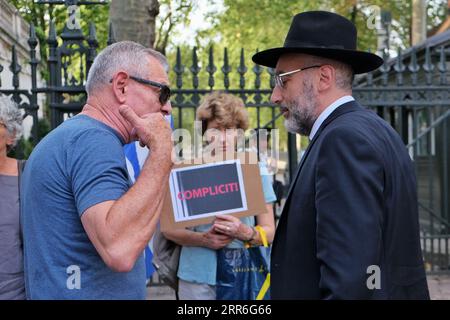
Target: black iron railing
[411,92]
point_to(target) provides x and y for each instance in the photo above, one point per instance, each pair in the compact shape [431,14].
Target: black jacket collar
[343,109]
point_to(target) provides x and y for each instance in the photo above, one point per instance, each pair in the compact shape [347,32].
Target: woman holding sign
[197,271]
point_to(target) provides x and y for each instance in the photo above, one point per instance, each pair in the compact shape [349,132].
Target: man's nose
[276,95]
[167,108]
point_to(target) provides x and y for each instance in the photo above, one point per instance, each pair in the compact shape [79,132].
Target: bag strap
[266,284]
[263,235]
[264,288]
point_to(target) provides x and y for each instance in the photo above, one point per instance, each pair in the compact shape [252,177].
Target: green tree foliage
[240,24]
[264,23]
[41,15]
[257,25]
[172,13]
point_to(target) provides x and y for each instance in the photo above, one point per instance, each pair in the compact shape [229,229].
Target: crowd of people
[71,210]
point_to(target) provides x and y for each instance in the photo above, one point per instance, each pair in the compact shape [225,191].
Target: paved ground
[160,293]
[439,287]
[439,290]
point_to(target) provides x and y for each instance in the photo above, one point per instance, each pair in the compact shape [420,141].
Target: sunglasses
[279,77]
[164,92]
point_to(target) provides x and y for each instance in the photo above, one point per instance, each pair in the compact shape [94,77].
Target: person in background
[12,285]
[198,262]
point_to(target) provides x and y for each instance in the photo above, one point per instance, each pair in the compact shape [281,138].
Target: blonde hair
[226,109]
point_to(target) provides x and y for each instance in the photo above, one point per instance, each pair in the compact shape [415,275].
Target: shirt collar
[325,113]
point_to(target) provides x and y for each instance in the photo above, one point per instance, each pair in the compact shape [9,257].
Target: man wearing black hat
[349,228]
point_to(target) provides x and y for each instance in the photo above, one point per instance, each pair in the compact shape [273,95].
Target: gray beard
[302,112]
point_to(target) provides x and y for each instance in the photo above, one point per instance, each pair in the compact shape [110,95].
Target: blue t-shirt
[76,166]
[199,264]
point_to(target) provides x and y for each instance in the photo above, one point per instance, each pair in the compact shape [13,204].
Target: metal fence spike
[32,40]
[179,69]
[52,41]
[195,68]
[211,68]
[226,69]
[242,69]
[111,35]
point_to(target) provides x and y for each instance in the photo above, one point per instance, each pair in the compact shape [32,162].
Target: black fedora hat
[324,34]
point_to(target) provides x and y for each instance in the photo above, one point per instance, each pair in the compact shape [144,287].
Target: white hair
[11,117]
[129,56]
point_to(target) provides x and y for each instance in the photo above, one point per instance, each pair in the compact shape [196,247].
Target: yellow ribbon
[264,288]
[262,234]
[266,284]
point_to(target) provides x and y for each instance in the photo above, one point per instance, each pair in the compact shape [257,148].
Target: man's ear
[119,86]
[327,76]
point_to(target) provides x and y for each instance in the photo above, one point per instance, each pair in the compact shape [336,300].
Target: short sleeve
[97,169]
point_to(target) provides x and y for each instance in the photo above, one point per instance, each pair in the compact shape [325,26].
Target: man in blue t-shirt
[85,228]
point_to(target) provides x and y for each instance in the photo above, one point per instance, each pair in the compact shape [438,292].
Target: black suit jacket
[351,206]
